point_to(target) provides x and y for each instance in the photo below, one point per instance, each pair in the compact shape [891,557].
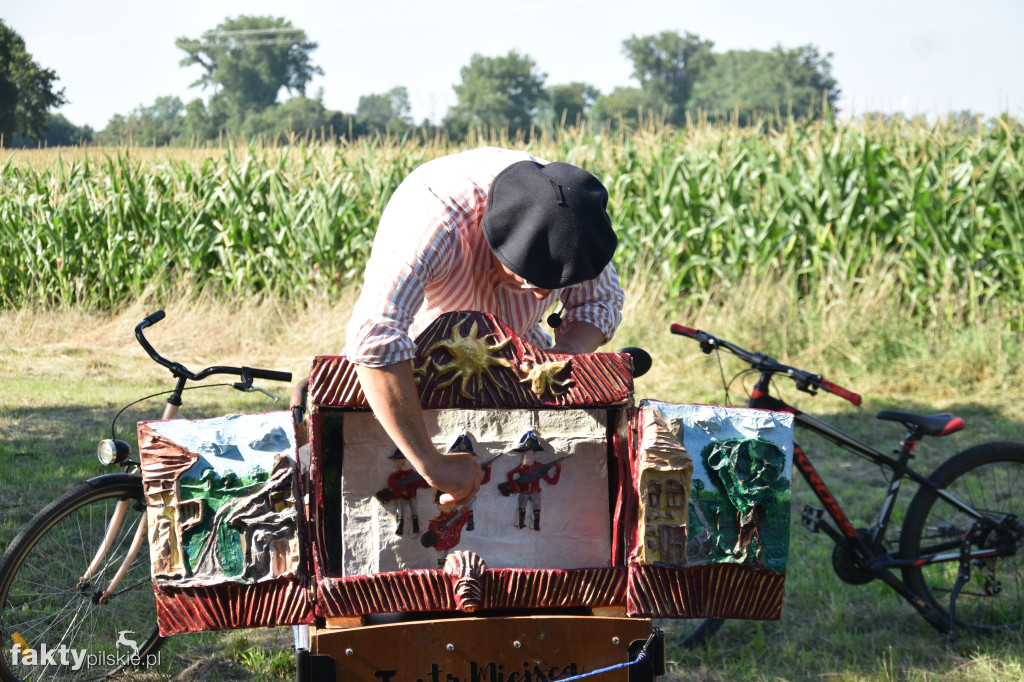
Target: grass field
[67,373]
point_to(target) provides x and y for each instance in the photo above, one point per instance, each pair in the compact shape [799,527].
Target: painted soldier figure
[464,444]
[444,530]
[525,479]
[402,485]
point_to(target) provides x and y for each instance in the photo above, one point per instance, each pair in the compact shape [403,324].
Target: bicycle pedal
[812,518]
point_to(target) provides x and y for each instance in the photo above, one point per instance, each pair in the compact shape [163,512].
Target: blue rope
[641,656]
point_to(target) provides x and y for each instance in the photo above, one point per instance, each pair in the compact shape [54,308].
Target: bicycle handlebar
[805,381]
[180,371]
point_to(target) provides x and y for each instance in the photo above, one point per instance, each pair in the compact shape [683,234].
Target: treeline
[250,61]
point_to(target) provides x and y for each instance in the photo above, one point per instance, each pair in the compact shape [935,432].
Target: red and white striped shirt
[430,257]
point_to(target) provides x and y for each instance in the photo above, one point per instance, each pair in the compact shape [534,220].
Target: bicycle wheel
[63,630]
[990,478]
[690,634]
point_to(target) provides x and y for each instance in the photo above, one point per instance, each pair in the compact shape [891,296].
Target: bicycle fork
[170,412]
[108,539]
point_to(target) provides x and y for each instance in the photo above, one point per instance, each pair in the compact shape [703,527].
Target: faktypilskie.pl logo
[127,653]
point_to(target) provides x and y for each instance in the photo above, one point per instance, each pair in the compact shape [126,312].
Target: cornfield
[826,203]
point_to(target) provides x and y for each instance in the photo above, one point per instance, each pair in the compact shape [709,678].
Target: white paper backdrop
[575,522]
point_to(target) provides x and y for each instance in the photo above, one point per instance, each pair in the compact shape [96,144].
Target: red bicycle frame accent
[813,479]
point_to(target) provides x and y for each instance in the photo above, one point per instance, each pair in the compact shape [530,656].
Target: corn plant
[828,203]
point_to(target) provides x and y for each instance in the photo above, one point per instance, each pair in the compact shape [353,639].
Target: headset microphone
[555,319]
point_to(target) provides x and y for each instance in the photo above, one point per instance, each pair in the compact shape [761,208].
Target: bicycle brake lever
[247,387]
[264,391]
[806,386]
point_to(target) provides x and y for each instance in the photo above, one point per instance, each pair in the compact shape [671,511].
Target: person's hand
[456,475]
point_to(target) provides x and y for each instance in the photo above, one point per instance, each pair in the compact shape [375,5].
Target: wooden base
[516,649]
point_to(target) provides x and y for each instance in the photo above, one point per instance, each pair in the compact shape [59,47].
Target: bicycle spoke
[44,603]
[989,478]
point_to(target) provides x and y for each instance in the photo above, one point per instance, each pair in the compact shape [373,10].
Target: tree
[667,65]
[388,111]
[300,116]
[756,84]
[497,92]
[569,104]
[248,60]
[159,124]
[60,132]
[26,89]
[202,124]
[623,107]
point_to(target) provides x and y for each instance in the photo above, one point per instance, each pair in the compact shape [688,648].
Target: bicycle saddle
[930,425]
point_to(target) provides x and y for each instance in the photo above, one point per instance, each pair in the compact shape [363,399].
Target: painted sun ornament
[543,377]
[472,360]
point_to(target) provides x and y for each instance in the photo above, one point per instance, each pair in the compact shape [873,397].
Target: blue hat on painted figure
[530,442]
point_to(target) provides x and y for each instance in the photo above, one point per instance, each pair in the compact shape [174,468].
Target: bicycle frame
[877,561]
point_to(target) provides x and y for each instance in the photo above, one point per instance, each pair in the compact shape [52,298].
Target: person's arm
[579,337]
[391,393]
[594,306]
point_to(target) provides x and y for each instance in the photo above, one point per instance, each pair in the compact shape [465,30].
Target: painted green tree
[748,473]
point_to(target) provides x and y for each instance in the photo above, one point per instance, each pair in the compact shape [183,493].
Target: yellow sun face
[472,361]
[542,377]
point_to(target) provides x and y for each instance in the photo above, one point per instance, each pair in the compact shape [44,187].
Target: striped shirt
[430,257]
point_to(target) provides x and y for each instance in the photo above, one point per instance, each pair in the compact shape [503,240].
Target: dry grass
[850,334]
[198,331]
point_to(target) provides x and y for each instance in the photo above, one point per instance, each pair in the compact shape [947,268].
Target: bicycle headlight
[113,451]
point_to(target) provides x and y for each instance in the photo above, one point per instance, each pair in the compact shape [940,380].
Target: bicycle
[965,522]
[77,577]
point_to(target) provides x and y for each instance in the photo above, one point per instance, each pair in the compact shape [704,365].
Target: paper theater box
[589,500]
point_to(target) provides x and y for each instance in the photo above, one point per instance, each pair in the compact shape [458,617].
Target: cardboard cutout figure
[525,479]
[402,487]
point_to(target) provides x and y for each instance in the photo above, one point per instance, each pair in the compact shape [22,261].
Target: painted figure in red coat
[403,485]
[444,530]
[525,479]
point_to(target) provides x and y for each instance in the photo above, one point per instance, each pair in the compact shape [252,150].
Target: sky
[906,56]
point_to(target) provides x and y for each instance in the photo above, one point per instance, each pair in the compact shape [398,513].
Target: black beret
[548,223]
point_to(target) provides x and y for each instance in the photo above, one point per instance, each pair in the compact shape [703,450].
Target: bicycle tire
[989,477]
[41,601]
[697,637]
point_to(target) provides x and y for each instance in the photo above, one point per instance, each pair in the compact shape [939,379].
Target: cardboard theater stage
[593,505]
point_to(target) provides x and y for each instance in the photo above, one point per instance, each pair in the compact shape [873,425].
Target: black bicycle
[76,600]
[960,556]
